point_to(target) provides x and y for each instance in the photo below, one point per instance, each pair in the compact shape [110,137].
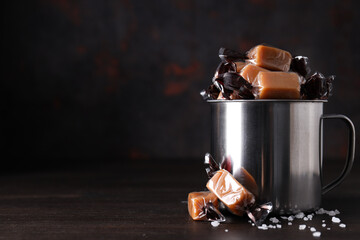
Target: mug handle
[350,153]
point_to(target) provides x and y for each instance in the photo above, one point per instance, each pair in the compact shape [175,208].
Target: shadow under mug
[280,143]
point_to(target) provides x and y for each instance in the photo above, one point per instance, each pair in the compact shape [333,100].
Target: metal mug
[280,143]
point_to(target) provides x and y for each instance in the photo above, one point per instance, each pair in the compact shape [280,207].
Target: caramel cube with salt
[235,197]
[270,58]
[278,85]
[250,72]
[197,202]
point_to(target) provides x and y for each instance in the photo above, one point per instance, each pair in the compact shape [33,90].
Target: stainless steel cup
[279,142]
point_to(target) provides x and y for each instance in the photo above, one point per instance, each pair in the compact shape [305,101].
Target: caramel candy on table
[245,178]
[240,66]
[197,202]
[230,192]
[270,58]
[278,85]
[250,71]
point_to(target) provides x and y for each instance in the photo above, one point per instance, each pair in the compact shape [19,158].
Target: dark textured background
[93,81]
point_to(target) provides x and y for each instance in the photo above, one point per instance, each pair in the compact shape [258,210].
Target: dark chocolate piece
[211,93]
[300,64]
[317,87]
[228,55]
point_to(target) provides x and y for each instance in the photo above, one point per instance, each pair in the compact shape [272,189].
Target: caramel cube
[230,192]
[197,202]
[250,71]
[240,66]
[270,58]
[278,85]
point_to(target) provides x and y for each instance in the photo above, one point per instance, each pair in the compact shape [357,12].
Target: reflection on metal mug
[279,142]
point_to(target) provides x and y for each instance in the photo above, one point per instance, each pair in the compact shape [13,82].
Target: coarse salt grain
[300,215]
[323,220]
[310,217]
[305,219]
[331,213]
[337,211]
[323,225]
[313,229]
[274,220]
[215,224]
[226,230]
[328,228]
[279,226]
[335,219]
[289,223]
[320,211]
[342,225]
[317,234]
[263,227]
[284,217]
[291,218]
[302,227]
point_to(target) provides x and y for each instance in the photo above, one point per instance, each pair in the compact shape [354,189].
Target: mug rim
[266,100]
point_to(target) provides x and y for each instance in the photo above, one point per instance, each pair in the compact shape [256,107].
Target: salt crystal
[263,227]
[274,220]
[313,229]
[331,213]
[328,228]
[335,219]
[317,234]
[226,230]
[291,218]
[271,226]
[253,224]
[289,223]
[320,211]
[300,215]
[310,216]
[249,221]
[323,220]
[305,219]
[323,225]
[342,225]
[284,217]
[279,226]
[302,227]
[337,211]
[215,224]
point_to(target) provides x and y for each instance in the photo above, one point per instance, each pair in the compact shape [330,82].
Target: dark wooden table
[144,200]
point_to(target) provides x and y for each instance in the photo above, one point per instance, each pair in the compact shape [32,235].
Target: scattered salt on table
[335,220]
[300,215]
[215,223]
[302,227]
[313,229]
[323,225]
[342,225]
[279,226]
[317,234]
[274,220]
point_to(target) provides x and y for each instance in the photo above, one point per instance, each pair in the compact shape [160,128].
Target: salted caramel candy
[230,192]
[250,71]
[278,85]
[245,178]
[240,66]
[197,202]
[270,58]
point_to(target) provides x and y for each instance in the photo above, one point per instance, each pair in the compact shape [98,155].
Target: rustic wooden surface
[143,200]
